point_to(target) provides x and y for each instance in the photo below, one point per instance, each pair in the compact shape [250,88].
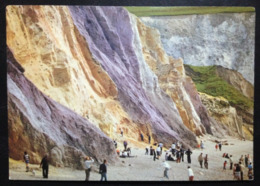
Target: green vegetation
[167,11]
[207,81]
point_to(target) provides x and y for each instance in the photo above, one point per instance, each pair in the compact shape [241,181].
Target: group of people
[201,159]
[239,168]
[44,164]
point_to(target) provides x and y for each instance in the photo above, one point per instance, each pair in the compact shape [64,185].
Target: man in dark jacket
[45,166]
[188,153]
[103,170]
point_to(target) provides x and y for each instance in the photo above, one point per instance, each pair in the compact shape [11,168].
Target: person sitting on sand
[124,154]
[170,158]
[227,156]
[118,152]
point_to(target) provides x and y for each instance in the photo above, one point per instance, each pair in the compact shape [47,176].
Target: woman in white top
[87,163]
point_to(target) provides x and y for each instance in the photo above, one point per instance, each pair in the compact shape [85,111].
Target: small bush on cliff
[207,81]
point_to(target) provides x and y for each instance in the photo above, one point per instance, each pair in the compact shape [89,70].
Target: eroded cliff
[39,125]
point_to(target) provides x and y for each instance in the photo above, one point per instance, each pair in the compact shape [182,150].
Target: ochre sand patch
[144,168]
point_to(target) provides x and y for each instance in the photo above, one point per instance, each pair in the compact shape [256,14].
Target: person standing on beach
[161,146]
[216,146]
[242,170]
[190,174]
[154,155]
[125,144]
[45,166]
[173,148]
[149,138]
[200,159]
[146,151]
[26,158]
[206,161]
[103,170]
[246,160]
[231,162]
[220,145]
[166,168]
[201,145]
[158,150]
[188,153]
[238,172]
[87,163]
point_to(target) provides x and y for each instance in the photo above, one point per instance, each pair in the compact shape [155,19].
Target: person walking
[206,161]
[87,163]
[154,155]
[103,170]
[238,172]
[231,162]
[220,146]
[200,159]
[188,153]
[26,158]
[125,144]
[45,166]
[190,174]
[166,169]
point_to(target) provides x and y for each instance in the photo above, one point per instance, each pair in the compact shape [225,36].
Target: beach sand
[143,168]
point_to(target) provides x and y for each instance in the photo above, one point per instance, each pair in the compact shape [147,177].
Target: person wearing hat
[87,163]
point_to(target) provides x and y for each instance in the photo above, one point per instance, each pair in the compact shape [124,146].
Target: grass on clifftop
[207,81]
[142,11]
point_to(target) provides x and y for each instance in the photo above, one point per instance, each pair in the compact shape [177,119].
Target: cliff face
[215,39]
[118,51]
[172,80]
[39,125]
[56,58]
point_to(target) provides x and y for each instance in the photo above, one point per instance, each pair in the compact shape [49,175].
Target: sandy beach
[143,168]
